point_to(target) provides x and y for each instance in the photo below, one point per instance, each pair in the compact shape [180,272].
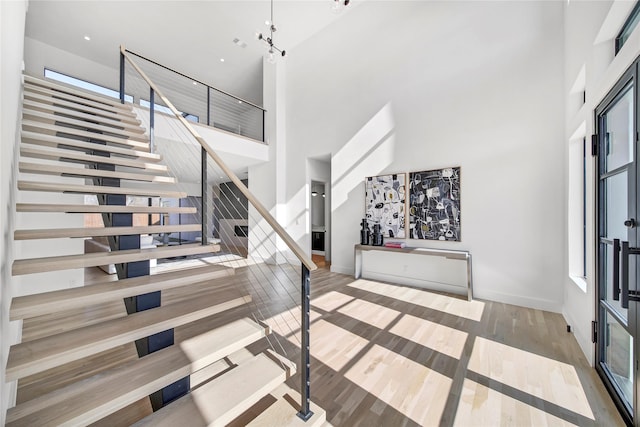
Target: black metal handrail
[257,132]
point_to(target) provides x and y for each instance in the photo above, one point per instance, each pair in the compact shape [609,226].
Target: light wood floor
[386,355]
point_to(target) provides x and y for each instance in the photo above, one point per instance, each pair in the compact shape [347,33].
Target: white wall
[590,65]
[12,19]
[38,55]
[426,85]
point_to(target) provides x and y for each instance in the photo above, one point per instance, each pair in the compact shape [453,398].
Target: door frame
[615,93]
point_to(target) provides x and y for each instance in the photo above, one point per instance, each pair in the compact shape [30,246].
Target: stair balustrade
[271,256]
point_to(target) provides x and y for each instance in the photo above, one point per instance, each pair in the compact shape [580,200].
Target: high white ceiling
[188,36]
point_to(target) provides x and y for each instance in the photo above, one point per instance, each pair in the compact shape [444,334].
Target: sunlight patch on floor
[455,306]
[333,345]
[370,313]
[437,337]
[482,406]
[331,300]
[539,376]
[409,387]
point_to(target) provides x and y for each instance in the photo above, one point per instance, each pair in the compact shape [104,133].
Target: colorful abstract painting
[434,204]
[385,204]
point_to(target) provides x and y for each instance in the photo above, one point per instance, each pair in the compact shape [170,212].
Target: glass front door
[616,285]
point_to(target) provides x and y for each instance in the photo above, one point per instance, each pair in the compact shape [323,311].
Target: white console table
[450,254]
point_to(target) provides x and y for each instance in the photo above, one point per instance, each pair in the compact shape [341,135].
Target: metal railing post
[263,125]
[208,106]
[122,77]
[305,384]
[203,180]
[152,117]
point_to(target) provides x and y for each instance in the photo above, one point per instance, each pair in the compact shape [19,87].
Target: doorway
[617,267]
[318,223]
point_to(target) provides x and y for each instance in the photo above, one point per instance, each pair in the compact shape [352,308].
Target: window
[584,207]
[630,24]
[161,108]
[83,84]
[577,218]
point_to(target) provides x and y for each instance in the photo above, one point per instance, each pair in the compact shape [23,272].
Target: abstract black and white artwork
[434,204]
[385,203]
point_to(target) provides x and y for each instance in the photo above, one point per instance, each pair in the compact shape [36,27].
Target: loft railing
[200,102]
[272,255]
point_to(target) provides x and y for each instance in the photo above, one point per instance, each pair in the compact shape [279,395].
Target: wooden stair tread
[51,113]
[66,208]
[54,130]
[66,262]
[284,411]
[88,106]
[48,169]
[68,299]
[60,154]
[127,415]
[124,148]
[59,233]
[84,100]
[33,81]
[103,394]
[41,354]
[96,189]
[89,114]
[221,400]
[53,119]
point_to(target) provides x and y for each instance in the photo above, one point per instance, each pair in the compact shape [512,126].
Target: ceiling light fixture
[221,59]
[339,5]
[272,48]
[87,38]
[314,193]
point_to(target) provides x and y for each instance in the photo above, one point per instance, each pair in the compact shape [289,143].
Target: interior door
[617,289]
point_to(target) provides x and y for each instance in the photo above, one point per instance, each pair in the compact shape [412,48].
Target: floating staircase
[68,133]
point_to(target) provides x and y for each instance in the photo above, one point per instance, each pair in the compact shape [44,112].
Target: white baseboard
[529,302]
[342,270]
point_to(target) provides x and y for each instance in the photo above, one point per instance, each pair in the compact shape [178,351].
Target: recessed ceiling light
[195,83]
[221,59]
[239,102]
[87,38]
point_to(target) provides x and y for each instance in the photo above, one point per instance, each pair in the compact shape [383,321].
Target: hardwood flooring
[387,355]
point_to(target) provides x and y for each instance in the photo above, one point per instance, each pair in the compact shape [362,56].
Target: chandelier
[338,5]
[268,40]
